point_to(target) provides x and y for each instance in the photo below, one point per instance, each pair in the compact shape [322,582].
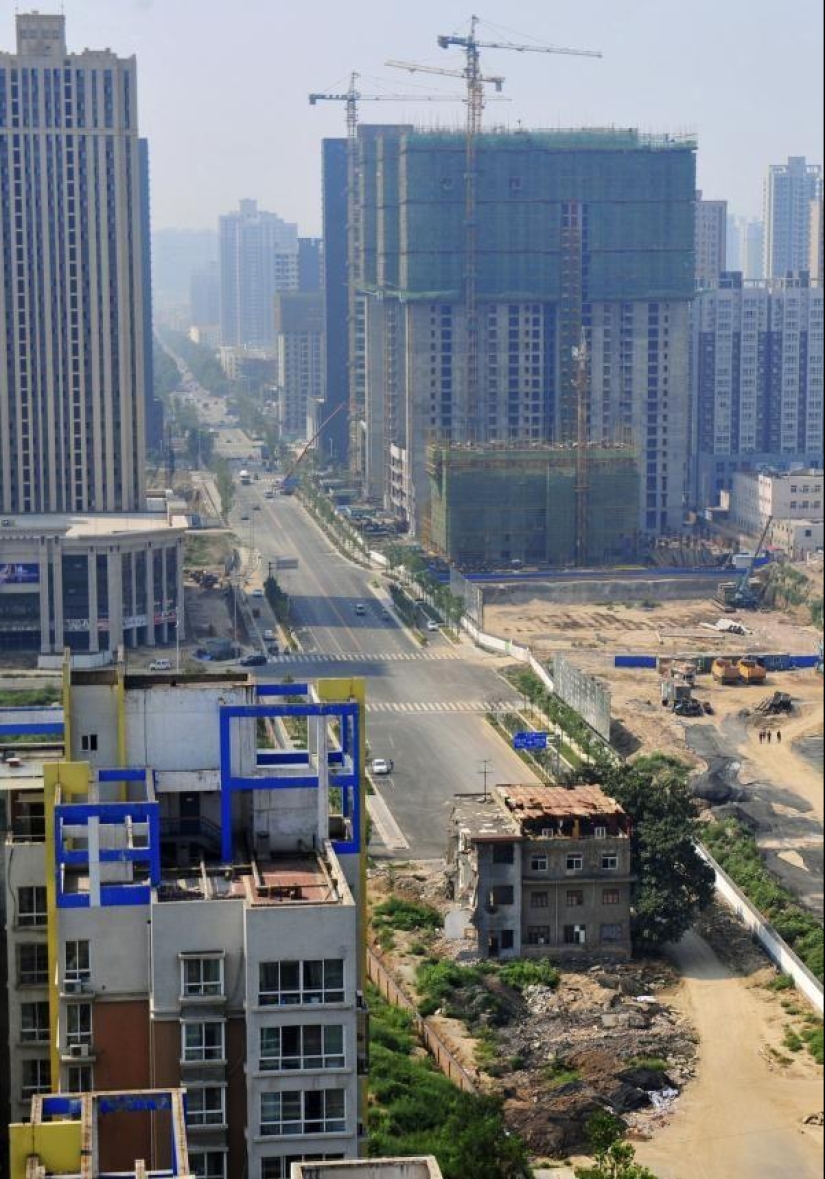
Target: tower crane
[475,99]
[351,97]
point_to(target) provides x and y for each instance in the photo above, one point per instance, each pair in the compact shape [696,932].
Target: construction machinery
[751,671]
[287,482]
[725,671]
[740,594]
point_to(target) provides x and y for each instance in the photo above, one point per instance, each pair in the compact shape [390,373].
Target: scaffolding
[502,505]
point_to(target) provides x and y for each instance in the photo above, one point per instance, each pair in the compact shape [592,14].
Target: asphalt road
[425,706]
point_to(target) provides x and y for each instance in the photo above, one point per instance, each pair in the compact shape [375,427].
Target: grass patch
[529,972]
[791,1040]
[654,1063]
[782,982]
[733,846]
[29,697]
[407,916]
[814,1040]
[415,1110]
[560,1073]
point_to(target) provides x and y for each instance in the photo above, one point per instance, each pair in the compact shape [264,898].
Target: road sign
[286,563]
[530,740]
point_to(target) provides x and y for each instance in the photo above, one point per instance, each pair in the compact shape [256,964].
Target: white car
[257,593]
[432,624]
[381,765]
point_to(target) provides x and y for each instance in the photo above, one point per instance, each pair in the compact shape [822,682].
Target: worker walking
[779,736]
[769,736]
[761,736]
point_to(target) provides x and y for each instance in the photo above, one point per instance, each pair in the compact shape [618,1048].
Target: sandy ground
[742,1116]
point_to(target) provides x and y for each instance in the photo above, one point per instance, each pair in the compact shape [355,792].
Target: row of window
[212,1164]
[573,861]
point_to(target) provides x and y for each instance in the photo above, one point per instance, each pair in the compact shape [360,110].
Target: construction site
[496,505]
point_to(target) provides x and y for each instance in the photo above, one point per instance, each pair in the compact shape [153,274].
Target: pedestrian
[769,736]
[779,736]
[761,736]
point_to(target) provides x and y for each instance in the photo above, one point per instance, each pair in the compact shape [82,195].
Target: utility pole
[486,770]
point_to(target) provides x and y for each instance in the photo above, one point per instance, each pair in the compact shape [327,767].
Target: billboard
[20,574]
[584,693]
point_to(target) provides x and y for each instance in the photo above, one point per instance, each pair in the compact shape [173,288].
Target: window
[31,907]
[574,863]
[538,935]
[297,1111]
[538,863]
[611,932]
[79,1078]
[34,1023]
[501,894]
[575,935]
[600,833]
[78,1024]
[280,1166]
[288,983]
[203,1041]
[611,896]
[37,1077]
[610,863]
[539,900]
[311,1046]
[206,1106]
[507,939]
[201,976]
[503,853]
[78,969]
[33,965]
[88,743]
[208,1164]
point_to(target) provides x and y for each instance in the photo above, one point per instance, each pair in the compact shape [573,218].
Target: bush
[735,849]
[399,914]
[529,972]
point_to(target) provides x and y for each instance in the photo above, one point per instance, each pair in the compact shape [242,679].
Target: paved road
[425,705]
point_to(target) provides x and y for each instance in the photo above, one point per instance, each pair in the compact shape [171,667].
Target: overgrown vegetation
[278,599]
[415,1110]
[735,849]
[786,587]
[30,697]
[397,913]
[226,487]
[201,361]
[614,1159]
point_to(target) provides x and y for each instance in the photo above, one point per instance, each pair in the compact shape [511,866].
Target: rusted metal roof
[545,802]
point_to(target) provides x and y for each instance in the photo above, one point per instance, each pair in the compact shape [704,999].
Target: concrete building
[711,240]
[310,264]
[789,189]
[258,258]
[413,1167]
[545,871]
[74,288]
[611,254]
[782,495]
[90,583]
[334,439]
[757,380]
[229,880]
[77,1135]
[798,538]
[299,358]
[816,240]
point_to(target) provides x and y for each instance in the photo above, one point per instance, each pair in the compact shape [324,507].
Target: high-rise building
[816,240]
[711,240]
[310,263]
[258,258]
[577,231]
[334,438]
[192,918]
[299,351]
[74,287]
[758,379]
[789,189]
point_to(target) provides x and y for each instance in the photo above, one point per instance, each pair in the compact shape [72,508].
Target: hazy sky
[223,86]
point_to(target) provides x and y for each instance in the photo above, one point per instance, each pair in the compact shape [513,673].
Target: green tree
[226,488]
[673,883]
[617,1161]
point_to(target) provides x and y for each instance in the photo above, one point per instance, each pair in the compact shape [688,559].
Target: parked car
[255,660]
[432,624]
[381,765]
[360,608]
[256,593]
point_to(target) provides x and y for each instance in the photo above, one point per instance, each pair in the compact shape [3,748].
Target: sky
[223,87]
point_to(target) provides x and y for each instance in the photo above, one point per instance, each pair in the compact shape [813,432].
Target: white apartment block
[789,495]
[202,919]
[258,258]
[789,189]
[74,291]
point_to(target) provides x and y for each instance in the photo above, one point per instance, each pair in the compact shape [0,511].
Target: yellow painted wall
[56,1144]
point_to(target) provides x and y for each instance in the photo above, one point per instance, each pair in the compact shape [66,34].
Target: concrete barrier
[777,950]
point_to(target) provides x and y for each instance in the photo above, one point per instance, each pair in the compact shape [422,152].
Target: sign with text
[19,574]
[530,740]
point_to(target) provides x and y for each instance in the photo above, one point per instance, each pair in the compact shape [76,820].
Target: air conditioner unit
[73,986]
[78,1050]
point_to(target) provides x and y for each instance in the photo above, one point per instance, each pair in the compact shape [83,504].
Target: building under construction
[497,504]
[587,231]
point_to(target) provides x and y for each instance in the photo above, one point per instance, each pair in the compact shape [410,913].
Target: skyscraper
[789,189]
[74,289]
[585,230]
[258,258]
[711,234]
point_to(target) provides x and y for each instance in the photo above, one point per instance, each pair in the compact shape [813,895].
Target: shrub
[529,972]
[400,914]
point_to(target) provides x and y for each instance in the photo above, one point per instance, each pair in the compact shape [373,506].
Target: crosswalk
[364,656]
[435,706]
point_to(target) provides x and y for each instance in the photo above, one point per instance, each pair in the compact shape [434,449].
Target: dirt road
[742,1117]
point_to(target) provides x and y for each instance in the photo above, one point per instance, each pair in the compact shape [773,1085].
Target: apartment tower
[258,258]
[711,240]
[789,189]
[74,295]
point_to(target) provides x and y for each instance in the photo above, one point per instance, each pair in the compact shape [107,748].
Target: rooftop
[508,812]
[299,879]
[78,527]
[557,802]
